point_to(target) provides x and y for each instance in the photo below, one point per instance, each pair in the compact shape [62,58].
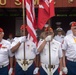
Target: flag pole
[49,50]
[50,71]
[23,8]
[49,23]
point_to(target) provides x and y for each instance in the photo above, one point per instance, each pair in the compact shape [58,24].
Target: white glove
[10,71]
[60,73]
[48,38]
[22,39]
[65,70]
[36,70]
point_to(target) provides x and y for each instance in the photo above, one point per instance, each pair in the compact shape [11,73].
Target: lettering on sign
[17,2]
[2,2]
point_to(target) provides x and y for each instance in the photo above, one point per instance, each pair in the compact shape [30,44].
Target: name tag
[4,47]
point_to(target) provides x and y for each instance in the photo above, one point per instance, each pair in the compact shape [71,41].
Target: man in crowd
[10,38]
[69,31]
[25,52]
[60,35]
[50,54]
[69,52]
[5,55]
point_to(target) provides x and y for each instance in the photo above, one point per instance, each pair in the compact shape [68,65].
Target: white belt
[1,66]
[46,68]
[72,59]
[28,63]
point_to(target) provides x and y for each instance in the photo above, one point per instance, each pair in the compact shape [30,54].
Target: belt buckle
[51,66]
[25,64]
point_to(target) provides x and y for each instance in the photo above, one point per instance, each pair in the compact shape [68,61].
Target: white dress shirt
[55,52]
[5,52]
[10,40]
[69,45]
[30,49]
[59,38]
[69,32]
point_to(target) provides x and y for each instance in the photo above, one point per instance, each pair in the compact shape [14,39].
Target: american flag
[30,17]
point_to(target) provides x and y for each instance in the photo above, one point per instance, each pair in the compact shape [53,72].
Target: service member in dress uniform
[69,31]
[60,35]
[69,51]
[49,60]
[10,38]
[24,61]
[5,55]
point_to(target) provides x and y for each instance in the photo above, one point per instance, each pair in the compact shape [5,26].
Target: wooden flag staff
[49,70]
[23,7]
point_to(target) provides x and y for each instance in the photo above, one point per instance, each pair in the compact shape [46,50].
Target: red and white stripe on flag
[30,17]
[45,11]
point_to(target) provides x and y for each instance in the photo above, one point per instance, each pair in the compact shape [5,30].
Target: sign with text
[14,3]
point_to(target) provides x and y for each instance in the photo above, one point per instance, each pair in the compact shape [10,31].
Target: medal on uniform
[28,47]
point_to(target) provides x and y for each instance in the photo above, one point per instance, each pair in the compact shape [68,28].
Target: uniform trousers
[4,70]
[19,71]
[71,66]
[42,72]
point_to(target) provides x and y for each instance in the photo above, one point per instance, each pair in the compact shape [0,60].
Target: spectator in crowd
[60,35]
[10,38]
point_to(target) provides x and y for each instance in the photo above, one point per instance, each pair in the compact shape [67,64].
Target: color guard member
[69,52]
[5,55]
[50,58]
[24,61]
